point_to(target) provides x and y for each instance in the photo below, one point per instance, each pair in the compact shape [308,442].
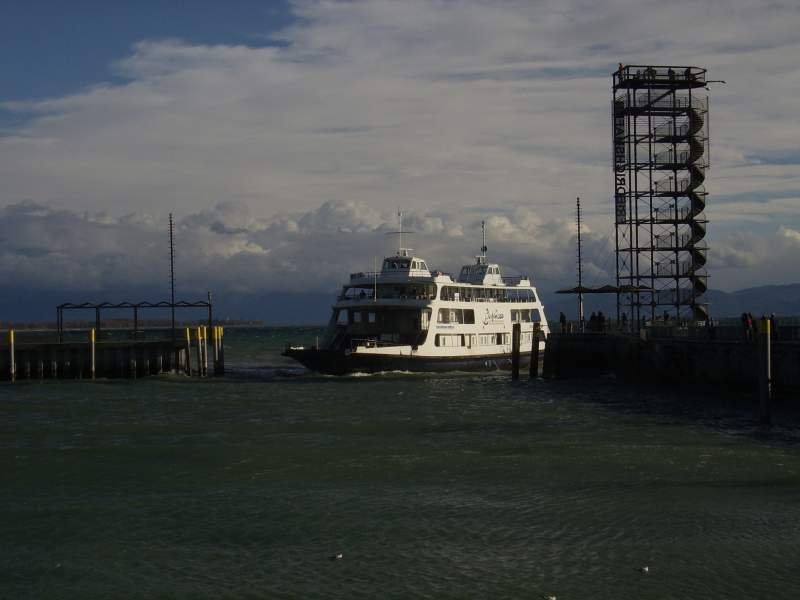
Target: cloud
[286,163]
[420,104]
[87,256]
[229,249]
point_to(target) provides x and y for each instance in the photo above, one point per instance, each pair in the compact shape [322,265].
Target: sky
[284,136]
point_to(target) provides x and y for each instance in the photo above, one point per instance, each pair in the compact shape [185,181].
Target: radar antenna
[401,251]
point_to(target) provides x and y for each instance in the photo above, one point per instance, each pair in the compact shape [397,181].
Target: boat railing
[371,297]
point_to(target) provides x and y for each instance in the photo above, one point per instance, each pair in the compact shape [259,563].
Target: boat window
[449,341]
[341,317]
[499,340]
[536,317]
[514,316]
[451,315]
[425,318]
[371,317]
[469,316]
[422,265]
[356,317]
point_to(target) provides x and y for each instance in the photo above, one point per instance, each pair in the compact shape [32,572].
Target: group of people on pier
[749,325]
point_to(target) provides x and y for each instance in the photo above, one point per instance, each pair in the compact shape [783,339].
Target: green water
[450,486]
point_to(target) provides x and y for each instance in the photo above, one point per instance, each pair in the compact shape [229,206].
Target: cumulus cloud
[228,248]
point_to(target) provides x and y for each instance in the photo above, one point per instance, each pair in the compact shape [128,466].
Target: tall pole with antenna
[172,274]
[483,246]
[580,267]
[400,230]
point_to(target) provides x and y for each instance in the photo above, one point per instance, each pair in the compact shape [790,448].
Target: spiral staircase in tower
[684,198]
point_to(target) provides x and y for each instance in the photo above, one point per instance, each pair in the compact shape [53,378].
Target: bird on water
[337,556]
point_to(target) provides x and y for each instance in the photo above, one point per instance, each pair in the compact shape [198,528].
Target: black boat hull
[331,362]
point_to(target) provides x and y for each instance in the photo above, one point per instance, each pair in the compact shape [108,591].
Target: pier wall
[722,364]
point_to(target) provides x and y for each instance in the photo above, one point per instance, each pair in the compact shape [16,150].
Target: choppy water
[449,486]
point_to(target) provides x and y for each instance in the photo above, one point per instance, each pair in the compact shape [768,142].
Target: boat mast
[400,231]
[482,257]
[401,251]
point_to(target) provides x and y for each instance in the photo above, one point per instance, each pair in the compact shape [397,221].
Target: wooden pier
[197,352]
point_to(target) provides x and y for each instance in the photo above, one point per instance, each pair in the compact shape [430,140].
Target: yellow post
[764,349]
[12,368]
[199,333]
[215,345]
[93,339]
[205,351]
[188,352]
[221,356]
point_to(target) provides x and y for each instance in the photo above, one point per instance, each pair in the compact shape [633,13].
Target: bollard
[533,371]
[93,341]
[12,367]
[515,335]
[764,373]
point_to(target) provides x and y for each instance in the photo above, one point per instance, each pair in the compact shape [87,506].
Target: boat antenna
[401,250]
[400,229]
[483,231]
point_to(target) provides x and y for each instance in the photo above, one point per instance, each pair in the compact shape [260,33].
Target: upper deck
[404,268]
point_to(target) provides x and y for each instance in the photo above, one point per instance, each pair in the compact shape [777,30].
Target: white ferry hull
[331,362]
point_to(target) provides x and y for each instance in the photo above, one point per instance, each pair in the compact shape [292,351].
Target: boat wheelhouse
[407,317]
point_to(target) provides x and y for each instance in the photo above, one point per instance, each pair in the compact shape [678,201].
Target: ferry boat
[407,317]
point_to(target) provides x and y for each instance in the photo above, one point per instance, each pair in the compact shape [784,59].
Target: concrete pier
[727,364]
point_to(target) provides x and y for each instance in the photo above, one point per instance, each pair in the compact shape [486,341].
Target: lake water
[446,486]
